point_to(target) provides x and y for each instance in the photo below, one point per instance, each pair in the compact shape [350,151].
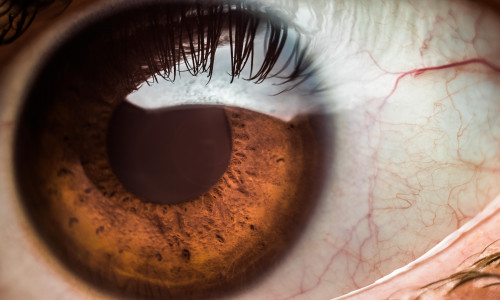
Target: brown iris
[179,242]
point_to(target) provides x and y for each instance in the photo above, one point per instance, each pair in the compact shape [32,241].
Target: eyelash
[242,21]
[202,27]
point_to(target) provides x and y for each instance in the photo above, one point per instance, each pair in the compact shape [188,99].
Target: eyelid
[38,43]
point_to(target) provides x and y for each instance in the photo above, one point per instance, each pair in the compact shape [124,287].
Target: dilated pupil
[168,155]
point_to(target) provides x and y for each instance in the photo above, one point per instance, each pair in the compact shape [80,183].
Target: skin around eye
[374,41]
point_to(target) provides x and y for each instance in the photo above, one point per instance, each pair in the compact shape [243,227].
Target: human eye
[410,94]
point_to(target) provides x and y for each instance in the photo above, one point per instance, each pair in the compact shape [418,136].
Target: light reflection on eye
[409,171]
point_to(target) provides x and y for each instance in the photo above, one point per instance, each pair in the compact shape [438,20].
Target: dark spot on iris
[186,254]
[217,191]
[242,137]
[99,229]
[251,173]
[87,191]
[227,183]
[63,172]
[219,238]
[280,160]
[252,227]
[158,256]
[237,124]
[72,221]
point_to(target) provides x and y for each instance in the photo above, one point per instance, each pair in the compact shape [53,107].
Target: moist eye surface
[151,203]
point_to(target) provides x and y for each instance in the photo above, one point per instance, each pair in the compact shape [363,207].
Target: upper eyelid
[39,45]
[82,13]
[79,15]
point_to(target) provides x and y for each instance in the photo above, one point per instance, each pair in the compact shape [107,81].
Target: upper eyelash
[242,21]
[202,26]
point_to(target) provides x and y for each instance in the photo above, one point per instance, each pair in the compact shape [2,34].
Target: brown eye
[188,201]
